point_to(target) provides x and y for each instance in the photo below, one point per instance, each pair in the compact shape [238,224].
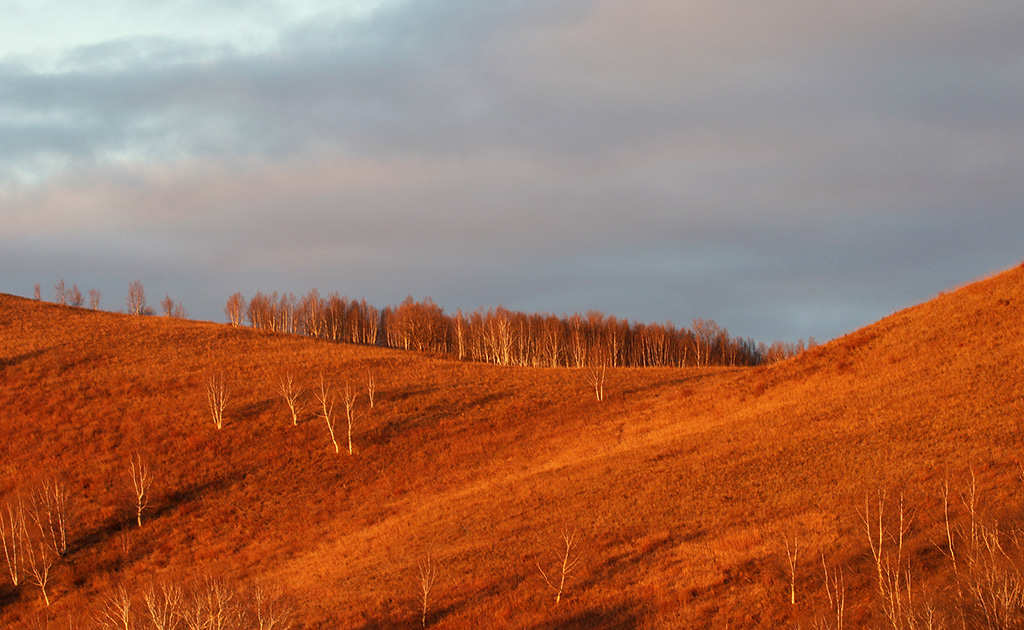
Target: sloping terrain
[685,487]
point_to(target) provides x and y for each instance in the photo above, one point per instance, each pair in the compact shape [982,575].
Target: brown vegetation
[892,456]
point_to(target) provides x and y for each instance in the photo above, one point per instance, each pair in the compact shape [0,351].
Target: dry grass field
[686,490]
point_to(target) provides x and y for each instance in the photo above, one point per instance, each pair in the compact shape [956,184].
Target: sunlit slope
[683,485]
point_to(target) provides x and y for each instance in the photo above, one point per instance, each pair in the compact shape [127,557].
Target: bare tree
[117,611]
[791,551]
[179,311]
[51,511]
[350,403]
[94,299]
[167,304]
[835,588]
[141,479]
[235,309]
[37,294]
[325,397]
[269,610]
[163,605]
[595,376]
[217,397]
[290,392]
[61,292]
[371,387]
[40,561]
[568,561]
[136,298]
[893,577]
[428,575]
[13,536]
[213,605]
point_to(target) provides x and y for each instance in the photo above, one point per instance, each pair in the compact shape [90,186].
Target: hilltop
[685,486]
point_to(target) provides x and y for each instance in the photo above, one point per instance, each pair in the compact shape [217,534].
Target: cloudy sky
[789,168]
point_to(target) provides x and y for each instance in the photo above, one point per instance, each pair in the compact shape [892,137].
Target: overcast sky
[788,168]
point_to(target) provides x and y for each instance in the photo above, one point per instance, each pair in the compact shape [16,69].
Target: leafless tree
[136,298]
[269,610]
[37,294]
[428,575]
[460,335]
[835,588]
[61,292]
[51,511]
[290,392]
[371,387]
[350,403]
[894,586]
[14,537]
[179,311]
[40,561]
[211,606]
[167,304]
[163,605]
[595,376]
[117,611]
[791,551]
[141,479]
[235,309]
[568,561]
[325,398]
[217,397]
[94,299]
[75,297]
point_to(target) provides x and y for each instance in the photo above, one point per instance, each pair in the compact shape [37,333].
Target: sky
[788,168]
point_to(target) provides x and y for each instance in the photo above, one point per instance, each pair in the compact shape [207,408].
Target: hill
[686,490]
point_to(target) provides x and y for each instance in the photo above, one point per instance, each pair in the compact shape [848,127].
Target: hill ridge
[683,484]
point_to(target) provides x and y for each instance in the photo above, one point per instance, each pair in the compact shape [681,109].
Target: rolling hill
[697,498]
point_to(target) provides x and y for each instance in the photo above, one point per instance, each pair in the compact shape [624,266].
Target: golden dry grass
[683,483]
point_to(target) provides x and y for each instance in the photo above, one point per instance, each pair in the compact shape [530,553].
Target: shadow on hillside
[667,385]
[618,618]
[257,408]
[125,520]
[190,493]
[8,595]
[21,358]
[383,433]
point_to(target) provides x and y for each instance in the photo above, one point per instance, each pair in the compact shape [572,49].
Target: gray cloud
[789,169]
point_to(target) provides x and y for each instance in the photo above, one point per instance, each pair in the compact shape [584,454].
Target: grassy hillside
[684,486]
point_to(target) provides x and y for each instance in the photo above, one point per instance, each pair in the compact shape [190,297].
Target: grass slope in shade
[684,487]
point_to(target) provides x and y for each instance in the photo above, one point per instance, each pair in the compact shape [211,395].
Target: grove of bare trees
[502,336]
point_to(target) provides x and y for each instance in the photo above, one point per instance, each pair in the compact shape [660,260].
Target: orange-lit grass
[683,483]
